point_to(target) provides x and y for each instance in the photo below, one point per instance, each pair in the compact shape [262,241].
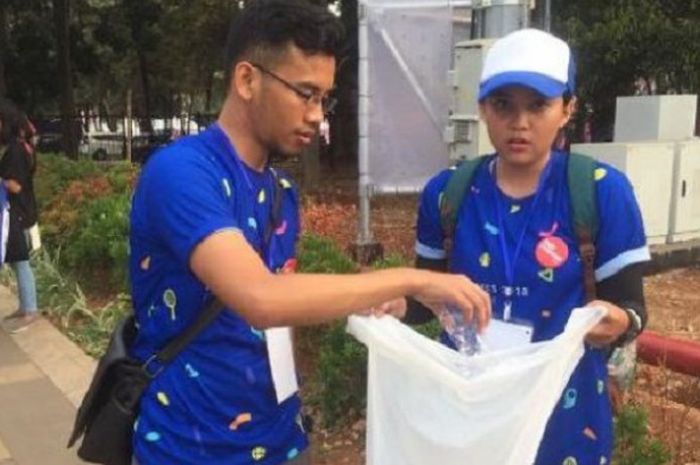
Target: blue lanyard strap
[508,261]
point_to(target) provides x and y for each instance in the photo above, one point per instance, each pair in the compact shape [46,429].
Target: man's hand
[395,308]
[457,291]
[611,327]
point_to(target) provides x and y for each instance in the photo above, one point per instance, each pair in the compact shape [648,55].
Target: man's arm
[228,266]
[416,312]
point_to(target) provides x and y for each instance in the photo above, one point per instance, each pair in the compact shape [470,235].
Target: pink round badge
[552,252]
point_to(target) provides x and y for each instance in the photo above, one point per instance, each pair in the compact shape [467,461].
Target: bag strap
[276,208]
[212,310]
[455,192]
[175,346]
[582,197]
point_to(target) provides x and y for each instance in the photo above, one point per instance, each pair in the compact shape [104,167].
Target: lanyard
[509,262]
[266,246]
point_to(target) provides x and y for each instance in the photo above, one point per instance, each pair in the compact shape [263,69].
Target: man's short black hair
[263,29]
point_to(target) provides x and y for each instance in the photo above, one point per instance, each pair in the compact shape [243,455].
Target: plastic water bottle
[463,334]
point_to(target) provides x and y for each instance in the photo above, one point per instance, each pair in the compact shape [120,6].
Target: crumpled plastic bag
[428,405]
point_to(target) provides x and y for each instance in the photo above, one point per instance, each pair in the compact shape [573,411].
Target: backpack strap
[582,196]
[455,192]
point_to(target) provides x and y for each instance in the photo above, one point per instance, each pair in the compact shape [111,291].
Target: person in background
[514,235]
[17,170]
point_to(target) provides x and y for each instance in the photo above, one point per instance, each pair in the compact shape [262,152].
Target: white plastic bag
[422,409]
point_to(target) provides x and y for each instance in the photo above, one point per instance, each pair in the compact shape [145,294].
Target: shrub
[633,446]
[84,212]
[100,239]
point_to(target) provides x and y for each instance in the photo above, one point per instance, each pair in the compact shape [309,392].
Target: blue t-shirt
[546,282]
[215,404]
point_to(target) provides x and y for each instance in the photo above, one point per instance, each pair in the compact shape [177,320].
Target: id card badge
[280,355]
[500,335]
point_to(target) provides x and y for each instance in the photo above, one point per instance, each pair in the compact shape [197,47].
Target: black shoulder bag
[106,416]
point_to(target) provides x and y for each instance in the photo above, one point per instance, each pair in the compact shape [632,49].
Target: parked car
[103,146]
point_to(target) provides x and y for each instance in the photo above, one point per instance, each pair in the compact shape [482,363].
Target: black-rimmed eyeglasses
[311,97]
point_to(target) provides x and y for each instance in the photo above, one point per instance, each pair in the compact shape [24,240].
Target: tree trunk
[311,165]
[61,15]
[4,47]
[145,90]
[344,124]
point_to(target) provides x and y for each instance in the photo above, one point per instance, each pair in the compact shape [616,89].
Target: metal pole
[548,15]
[127,125]
[364,235]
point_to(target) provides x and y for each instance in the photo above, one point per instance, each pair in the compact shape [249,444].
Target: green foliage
[84,210]
[67,306]
[100,238]
[55,172]
[627,47]
[167,51]
[341,376]
[391,261]
[341,360]
[633,446]
[321,255]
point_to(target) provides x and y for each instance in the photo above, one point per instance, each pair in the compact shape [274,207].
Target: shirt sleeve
[11,166]
[186,199]
[429,234]
[620,241]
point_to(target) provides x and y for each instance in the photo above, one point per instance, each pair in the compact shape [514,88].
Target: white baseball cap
[530,58]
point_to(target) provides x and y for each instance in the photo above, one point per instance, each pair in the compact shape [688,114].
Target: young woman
[16,171]
[517,206]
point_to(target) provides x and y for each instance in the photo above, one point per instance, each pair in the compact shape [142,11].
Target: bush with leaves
[84,213]
[100,239]
[633,445]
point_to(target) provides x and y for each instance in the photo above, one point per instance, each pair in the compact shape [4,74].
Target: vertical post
[365,249]
[364,235]
[501,17]
[548,15]
[128,126]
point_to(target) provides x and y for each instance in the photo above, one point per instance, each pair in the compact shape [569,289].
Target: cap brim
[544,85]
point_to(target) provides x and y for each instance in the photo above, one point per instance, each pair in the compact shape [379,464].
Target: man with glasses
[211,218]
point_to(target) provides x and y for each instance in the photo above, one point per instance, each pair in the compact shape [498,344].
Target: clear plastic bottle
[463,334]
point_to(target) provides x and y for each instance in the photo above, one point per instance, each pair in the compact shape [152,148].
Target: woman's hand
[12,186]
[611,327]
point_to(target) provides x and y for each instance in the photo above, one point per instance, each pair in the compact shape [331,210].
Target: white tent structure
[405,57]
[405,87]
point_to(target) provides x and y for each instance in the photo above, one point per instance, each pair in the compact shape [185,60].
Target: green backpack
[582,195]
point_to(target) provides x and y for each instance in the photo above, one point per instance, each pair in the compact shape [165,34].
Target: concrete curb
[63,362]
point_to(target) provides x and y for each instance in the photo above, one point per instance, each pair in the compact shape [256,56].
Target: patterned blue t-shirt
[215,404]
[546,282]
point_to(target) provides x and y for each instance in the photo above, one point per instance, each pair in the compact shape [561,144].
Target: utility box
[655,117]
[649,167]
[685,202]
[466,134]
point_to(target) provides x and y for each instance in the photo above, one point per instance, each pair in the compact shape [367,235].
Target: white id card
[280,354]
[501,335]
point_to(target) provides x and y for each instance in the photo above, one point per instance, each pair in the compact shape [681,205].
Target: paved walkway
[43,376]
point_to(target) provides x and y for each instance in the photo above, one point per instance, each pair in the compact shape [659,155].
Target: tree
[4,45]
[344,124]
[61,10]
[627,47]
